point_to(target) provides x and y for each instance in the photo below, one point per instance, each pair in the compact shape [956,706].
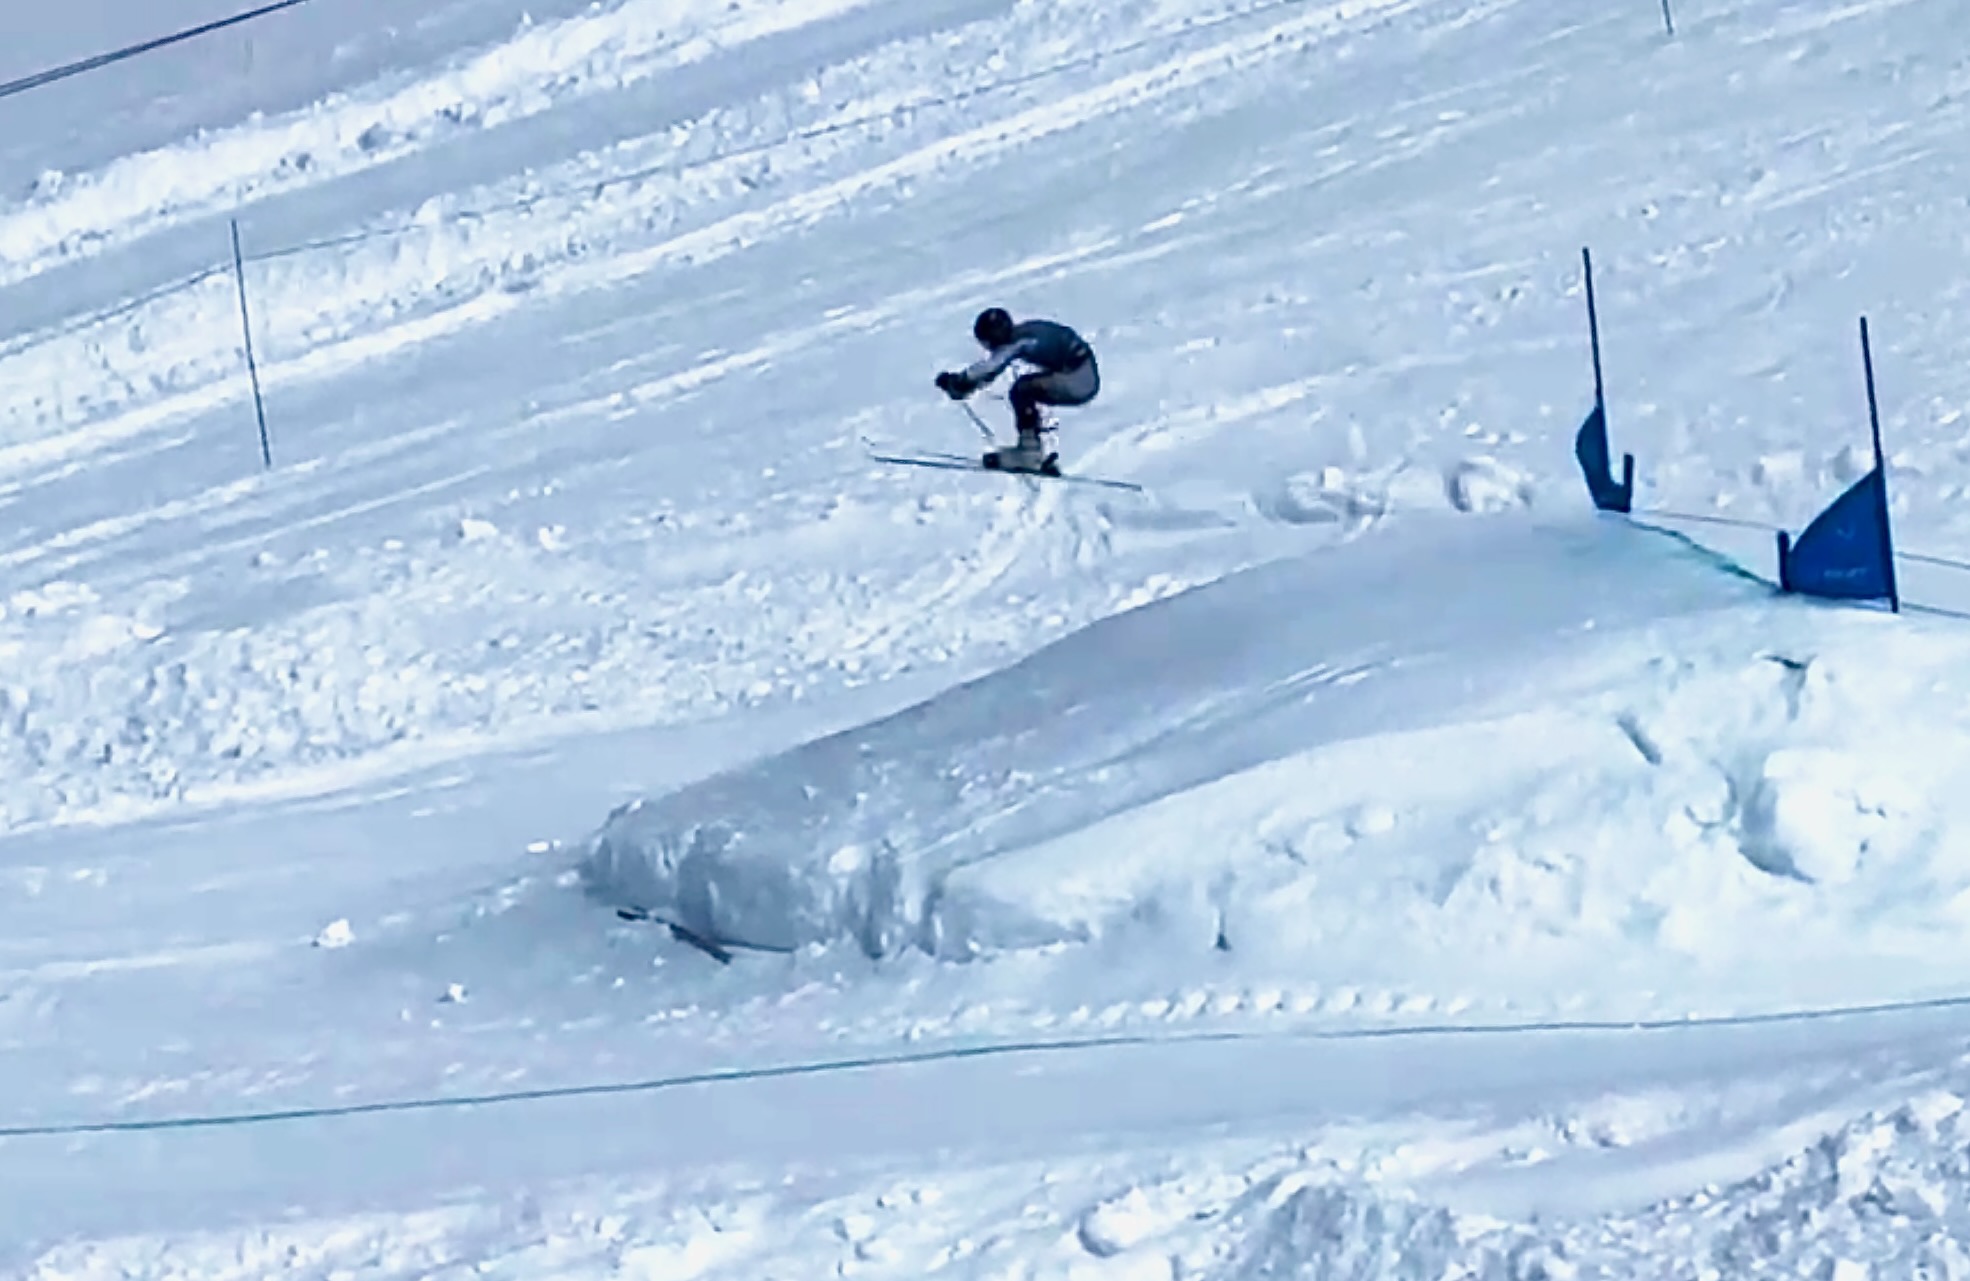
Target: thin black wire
[78,324]
[1004,1049]
[1926,559]
[101,60]
[1738,522]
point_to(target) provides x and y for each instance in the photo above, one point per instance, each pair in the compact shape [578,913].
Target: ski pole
[983,430]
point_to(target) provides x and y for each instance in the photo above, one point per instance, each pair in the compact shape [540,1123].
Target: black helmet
[993,327]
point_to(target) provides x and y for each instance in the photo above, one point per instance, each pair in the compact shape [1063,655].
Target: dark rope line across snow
[1004,1049]
[97,62]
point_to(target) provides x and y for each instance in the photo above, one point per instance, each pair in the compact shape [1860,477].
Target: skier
[1064,373]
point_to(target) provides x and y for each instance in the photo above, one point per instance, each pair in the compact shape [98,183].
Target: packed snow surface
[575,813]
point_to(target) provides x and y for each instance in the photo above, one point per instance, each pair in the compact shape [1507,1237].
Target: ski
[960,462]
[683,934]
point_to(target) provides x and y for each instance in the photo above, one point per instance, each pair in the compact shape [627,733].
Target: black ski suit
[1064,370]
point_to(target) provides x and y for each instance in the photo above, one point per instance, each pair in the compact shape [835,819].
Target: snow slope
[1349,853]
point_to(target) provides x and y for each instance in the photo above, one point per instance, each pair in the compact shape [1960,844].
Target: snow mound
[1887,1195]
[1327,496]
[888,833]
[1820,813]
[1602,753]
[1121,1223]
[1337,1234]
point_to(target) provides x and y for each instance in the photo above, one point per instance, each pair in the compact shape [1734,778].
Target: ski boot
[1029,455]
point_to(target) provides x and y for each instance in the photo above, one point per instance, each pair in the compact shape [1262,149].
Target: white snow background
[1351,857]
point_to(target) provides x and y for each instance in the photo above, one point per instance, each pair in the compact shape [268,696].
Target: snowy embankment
[1886,1195]
[877,833]
[1572,741]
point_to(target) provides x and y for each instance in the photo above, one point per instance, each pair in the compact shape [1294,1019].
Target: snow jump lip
[850,836]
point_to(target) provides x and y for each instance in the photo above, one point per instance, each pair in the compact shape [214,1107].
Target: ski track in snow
[1253,885]
[537,70]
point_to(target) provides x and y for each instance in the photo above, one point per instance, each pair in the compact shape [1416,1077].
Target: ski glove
[956,386]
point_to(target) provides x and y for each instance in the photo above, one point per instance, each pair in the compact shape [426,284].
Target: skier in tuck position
[1063,373]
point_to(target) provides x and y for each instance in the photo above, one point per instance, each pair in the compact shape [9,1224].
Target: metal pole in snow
[1880,469]
[1668,20]
[252,365]
[1594,328]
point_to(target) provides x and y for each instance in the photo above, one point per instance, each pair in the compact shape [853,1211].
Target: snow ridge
[1885,1195]
[70,217]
